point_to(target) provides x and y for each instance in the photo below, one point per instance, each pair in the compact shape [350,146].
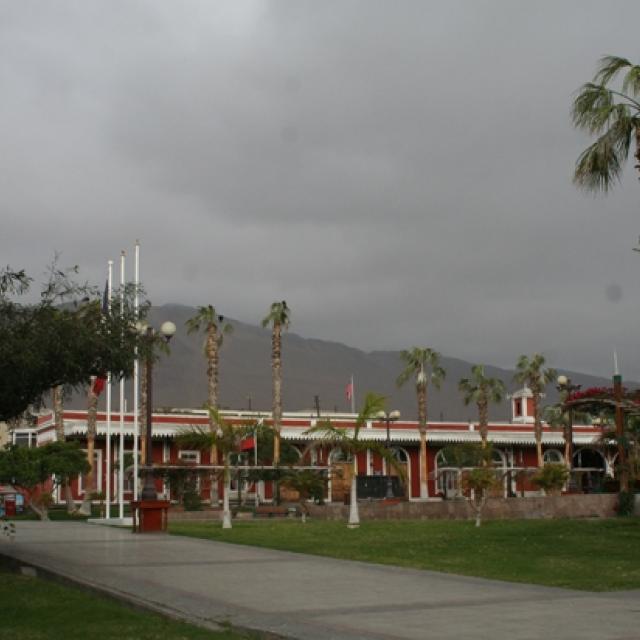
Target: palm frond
[631,82]
[609,67]
[599,167]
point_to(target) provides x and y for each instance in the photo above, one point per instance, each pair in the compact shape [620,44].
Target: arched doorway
[589,468]
[447,477]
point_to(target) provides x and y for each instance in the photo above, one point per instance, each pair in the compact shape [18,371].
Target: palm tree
[351,445]
[92,423]
[279,318]
[57,400]
[612,115]
[531,372]
[227,439]
[423,364]
[215,329]
[481,390]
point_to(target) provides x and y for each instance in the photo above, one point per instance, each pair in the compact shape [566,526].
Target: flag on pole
[348,392]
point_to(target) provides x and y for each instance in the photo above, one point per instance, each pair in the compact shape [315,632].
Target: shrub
[552,477]
[191,501]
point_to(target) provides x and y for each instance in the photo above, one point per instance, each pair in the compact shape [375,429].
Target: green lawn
[593,555]
[35,609]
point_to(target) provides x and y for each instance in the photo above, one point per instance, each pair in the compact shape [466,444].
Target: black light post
[151,336]
[565,387]
[389,418]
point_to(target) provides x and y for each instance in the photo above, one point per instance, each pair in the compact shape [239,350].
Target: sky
[398,172]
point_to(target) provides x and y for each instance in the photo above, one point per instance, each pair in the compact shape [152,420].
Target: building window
[552,456]
[22,438]
[189,456]
[517,411]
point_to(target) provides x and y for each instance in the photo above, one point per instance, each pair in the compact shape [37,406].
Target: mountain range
[310,368]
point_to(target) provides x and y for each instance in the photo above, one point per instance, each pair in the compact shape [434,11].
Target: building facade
[513,445]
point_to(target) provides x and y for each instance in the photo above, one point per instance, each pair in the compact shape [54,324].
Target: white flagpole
[353,396]
[108,443]
[136,375]
[121,445]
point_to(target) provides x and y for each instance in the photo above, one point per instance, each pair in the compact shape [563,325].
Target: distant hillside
[310,367]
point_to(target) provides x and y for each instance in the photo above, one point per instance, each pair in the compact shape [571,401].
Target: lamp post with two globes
[151,337]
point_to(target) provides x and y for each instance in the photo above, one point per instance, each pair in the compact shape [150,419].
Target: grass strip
[36,609]
[590,555]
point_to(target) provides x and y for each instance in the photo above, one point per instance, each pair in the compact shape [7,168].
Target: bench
[271,511]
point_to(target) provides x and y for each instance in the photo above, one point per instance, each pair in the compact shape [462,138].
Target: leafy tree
[478,483]
[308,483]
[28,468]
[552,477]
[49,343]
[477,476]
[613,115]
[481,390]
[348,441]
[228,440]
[279,317]
[531,372]
[215,329]
[423,365]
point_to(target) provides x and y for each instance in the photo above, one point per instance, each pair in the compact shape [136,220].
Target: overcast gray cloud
[399,172]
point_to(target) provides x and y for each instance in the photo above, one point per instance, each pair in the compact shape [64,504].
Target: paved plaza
[300,596]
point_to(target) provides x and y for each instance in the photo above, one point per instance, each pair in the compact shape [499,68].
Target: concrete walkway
[300,596]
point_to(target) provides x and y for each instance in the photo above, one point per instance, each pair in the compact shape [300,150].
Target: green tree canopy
[57,340]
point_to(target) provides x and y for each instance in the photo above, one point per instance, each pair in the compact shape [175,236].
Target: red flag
[247,444]
[348,392]
[98,385]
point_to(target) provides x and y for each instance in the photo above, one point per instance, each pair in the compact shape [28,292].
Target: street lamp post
[166,332]
[388,418]
[566,388]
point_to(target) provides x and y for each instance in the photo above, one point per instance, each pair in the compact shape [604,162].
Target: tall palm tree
[57,400]
[227,439]
[279,318]
[531,372]
[215,329]
[613,115]
[423,364]
[481,390]
[350,444]
[92,424]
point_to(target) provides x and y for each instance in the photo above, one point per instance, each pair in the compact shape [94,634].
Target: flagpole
[136,374]
[108,443]
[353,396]
[121,444]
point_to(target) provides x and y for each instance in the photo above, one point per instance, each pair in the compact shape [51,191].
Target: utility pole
[316,403]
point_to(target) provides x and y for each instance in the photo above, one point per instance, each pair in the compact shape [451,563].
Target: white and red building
[513,446]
